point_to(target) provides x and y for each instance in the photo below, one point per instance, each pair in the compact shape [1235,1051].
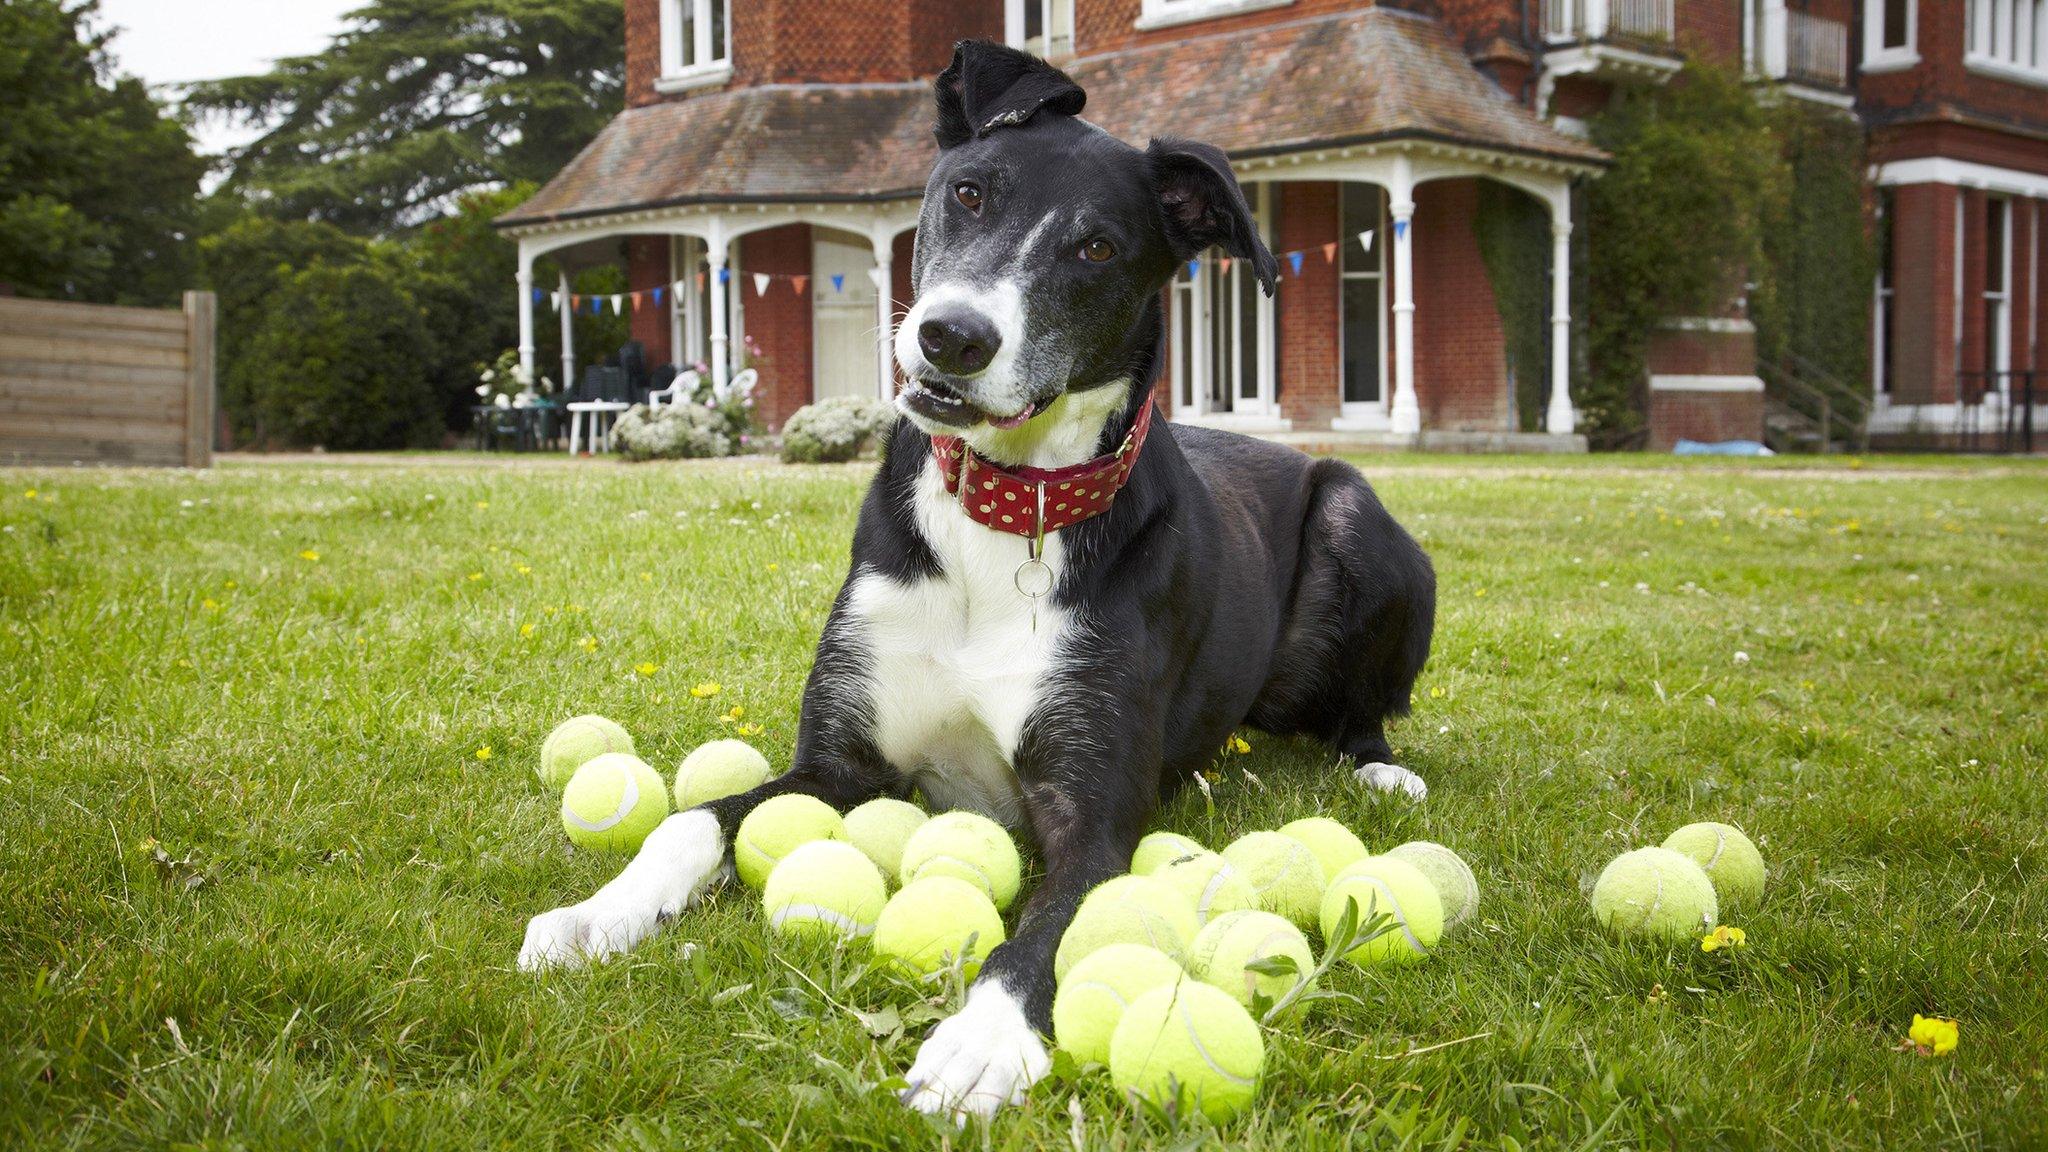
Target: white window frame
[2007,39]
[1363,412]
[1190,301]
[1882,295]
[1055,40]
[1877,57]
[709,70]
[1168,13]
[1998,301]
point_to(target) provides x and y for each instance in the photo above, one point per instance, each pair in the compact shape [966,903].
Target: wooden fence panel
[100,384]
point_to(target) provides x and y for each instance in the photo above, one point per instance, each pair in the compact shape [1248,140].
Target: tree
[98,184]
[464,274]
[345,354]
[421,101]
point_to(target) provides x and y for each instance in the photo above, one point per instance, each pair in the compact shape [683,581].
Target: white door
[843,331]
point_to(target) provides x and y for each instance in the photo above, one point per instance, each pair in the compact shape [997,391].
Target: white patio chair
[679,390]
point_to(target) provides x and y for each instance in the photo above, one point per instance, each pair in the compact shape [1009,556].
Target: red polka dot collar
[1014,500]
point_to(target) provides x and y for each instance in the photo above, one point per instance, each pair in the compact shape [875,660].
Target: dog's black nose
[958,341]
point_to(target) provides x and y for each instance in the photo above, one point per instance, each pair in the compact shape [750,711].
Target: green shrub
[834,430]
[341,362]
[671,432]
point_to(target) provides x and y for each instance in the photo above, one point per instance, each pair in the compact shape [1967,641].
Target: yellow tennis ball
[1655,892]
[969,847]
[881,828]
[1382,884]
[1210,884]
[1455,885]
[1158,849]
[777,825]
[1127,910]
[1730,859]
[1188,1045]
[1092,999]
[936,920]
[719,769]
[1334,846]
[575,741]
[612,802]
[1283,873]
[1223,950]
[824,888]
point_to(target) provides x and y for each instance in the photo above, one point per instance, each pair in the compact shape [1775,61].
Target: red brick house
[762,185]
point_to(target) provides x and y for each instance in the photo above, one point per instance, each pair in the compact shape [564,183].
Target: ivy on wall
[1812,305]
[1513,230]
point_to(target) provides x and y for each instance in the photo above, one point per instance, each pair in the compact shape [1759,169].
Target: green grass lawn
[318,688]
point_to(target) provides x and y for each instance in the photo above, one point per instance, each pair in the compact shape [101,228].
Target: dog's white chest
[958,664]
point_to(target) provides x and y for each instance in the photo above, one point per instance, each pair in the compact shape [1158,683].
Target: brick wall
[1676,351]
[1706,416]
[1461,376]
[643,51]
[1941,86]
[1923,300]
[1109,25]
[1306,307]
[646,267]
[1712,28]
[780,322]
[1970,354]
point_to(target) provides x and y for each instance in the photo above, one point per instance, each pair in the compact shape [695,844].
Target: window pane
[1034,19]
[717,30]
[1247,329]
[1361,341]
[1994,246]
[1361,214]
[1184,338]
[1895,23]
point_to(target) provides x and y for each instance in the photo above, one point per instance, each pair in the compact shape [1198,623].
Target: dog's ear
[1205,207]
[989,86]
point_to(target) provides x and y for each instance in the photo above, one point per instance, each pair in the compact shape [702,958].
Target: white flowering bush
[836,429]
[671,432]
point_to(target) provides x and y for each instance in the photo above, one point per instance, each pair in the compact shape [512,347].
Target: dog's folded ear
[1204,206]
[989,86]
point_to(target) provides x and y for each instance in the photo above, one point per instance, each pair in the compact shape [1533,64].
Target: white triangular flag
[1365,240]
[760,283]
[555,300]
[875,278]
[618,305]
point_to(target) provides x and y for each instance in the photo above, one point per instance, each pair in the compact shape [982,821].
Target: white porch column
[568,334]
[526,311]
[885,317]
[1405,417]
[675,304]
[1559,419]
[715,252]
[1596,20]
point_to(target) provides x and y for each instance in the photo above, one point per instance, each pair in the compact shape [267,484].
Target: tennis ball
[824,888]
[1188,1043]
[935,920]
[719,769]
[1235,939]
[1283,874]
[970,847]
[1455,885]
[1382,884]
[1127,910]
[576,740]
[612,802]
[1655,892]
[1334,846]
[1158,849]
[881,828]
[777,825]
[1210,884]
[1730,859]
[1096,992]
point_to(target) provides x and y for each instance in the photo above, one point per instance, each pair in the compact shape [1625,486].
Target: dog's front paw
[981,1058]
[1391,778]
[579,934]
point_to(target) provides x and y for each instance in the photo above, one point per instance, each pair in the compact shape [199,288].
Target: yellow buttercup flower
[526,629]
[1725,936]
[484,753]
[309,554]
[749,730]
[482,504]
[732,715]
[476,575]
[524,569]
[210,604]
[29,495]
[707,689]
[1933,1035]
[647,667]
[588,643]
[1237,744]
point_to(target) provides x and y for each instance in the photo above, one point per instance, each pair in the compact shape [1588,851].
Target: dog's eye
[1097,250]
[969,196]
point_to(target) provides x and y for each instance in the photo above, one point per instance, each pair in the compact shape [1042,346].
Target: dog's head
[1043,242]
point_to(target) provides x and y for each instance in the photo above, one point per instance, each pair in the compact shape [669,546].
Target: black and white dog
[1223,582]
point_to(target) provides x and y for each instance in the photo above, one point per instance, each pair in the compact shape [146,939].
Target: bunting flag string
[764,282]
[1295,259]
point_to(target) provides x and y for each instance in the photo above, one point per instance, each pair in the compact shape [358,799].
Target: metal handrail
[1823,404]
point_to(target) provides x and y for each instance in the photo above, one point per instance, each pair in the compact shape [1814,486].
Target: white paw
[678,858]
[979,1059]
[1391,778]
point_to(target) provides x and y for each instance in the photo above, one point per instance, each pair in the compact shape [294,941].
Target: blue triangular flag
[1194,266]
[838,282]
[1294,258]
[539,295]
[724,274]
[657,296]
[1400,229]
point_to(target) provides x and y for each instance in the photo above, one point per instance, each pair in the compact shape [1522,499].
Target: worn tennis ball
[575,741]
[719,769]
[1282,872]
[777,825]
[612,802]
[1127,910]
[1335,847]
[824,888]
[1210,884]
[1730,859]
[1655,892]
[1229,943]
[881,828]
[970,847]
[934,921]
[1096,992]
[1158,849]
[1382,884]
[1188,1044]
[1455,885]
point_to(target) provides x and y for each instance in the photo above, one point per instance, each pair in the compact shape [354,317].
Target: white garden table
[599,413]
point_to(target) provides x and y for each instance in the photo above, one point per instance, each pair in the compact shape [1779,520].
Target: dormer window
[1044,28]
[1167,13]
[696,45]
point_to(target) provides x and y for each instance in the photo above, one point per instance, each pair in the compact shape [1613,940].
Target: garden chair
[680,391]
[604,389]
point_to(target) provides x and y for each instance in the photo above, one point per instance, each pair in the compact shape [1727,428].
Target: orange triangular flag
[636,301]
[700,280]
[800,281]
[1330,252]
[1223,265]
